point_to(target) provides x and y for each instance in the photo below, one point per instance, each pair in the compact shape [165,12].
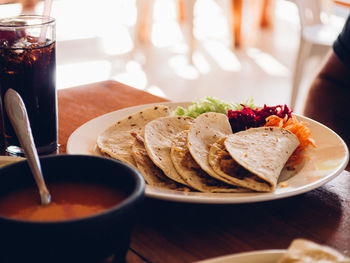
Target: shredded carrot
[299,128]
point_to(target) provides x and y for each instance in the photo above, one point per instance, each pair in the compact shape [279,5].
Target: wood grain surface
[176,233]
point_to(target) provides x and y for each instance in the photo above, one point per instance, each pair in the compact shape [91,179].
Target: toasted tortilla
[302,250]
[205,131]
[159,134]
[117,140]
[263,152]
[231,170]
[191,172]
[151,173]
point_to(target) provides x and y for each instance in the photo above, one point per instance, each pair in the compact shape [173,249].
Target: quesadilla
[191,172]
[302,250]
[253,158]
[117,141]
[151,173]
[159,134]
[206,130]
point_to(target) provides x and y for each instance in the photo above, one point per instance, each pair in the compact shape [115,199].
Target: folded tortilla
[255,157]
[302,250]
[228,169]
[191,172]
[159,134]
[117,140]
[151,173]
[206,130]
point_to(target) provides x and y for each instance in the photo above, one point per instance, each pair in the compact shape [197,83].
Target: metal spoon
[17,113]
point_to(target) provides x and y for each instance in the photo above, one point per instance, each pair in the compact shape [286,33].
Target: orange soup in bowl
[70,200]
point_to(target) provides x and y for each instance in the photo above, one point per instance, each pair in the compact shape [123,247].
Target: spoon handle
[17,113]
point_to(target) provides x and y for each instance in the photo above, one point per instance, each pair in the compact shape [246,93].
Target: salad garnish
[300,129]
[211,104]
[251,118]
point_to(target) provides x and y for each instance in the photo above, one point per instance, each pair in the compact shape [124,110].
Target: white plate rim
[270,254]
[206,198]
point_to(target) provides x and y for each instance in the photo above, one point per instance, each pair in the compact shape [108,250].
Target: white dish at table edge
[259,256]
[327,160]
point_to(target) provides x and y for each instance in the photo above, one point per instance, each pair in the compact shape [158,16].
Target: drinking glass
[28,65]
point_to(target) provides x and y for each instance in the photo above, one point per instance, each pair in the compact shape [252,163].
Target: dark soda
[29,68]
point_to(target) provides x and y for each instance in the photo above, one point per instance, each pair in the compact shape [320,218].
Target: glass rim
[45,20]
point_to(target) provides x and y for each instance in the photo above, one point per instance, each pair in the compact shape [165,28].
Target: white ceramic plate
[325,162]
[262,256]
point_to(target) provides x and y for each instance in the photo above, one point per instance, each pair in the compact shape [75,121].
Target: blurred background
[183,50]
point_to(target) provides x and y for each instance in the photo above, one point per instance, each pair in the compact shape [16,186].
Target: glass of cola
[28,65]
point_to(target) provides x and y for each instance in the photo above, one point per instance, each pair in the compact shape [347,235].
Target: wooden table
[176,233]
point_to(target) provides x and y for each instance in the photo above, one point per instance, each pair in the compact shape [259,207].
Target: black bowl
[88,239]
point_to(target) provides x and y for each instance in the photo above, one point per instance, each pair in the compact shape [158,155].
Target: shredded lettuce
[211,104]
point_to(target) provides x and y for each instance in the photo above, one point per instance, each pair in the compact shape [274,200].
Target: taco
[253,158]
[192,173]
[302,250]
[117,140]
[153,175]
[159,134]
[206,130]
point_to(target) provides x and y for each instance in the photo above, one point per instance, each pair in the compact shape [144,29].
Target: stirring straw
[46,14]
